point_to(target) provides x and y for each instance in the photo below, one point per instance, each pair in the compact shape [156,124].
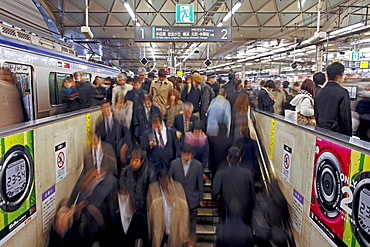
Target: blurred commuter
[10,100]
[251,93]
[288,98]
[151,76]
[123,110]
[257,91]
[234,232]
[233,95]
[100,90]
[207,95]
[199,141]
[70,95]
[116,134]
[248,148]
[112,84]
[85,89]
[189,172]
[213,83]
[363,110]
[124,226]
[219,112]
[191,94]
[235,183]
[168,212]
[180,85]
[160,143]
[230,85]
[138,176]
[219,146]
[304,103]
[122,87]
[332,103]
[319,79]
[240,115]
[184,122]
[173,107]
[265,103]
[144,80]
[143,116]
[295,89]
[278,96]
[136,95]
[159,90]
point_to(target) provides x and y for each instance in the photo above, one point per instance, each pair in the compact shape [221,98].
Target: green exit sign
[184,13]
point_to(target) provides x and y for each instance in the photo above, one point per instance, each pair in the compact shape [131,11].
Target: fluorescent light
[349,28]
[129,10]
[361,41]
[219,24]
[235,8]
[138,24]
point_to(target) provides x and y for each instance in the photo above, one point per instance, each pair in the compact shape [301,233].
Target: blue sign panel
[184,13]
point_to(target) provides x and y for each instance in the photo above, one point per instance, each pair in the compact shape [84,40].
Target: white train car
[40,66]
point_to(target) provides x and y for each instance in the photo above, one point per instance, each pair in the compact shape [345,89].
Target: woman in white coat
[304,103]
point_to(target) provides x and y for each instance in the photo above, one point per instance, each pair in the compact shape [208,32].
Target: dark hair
[162,173]
[245,132]
[319,78]
[231,76]
[198,125]
[189,77]
[170,93]
[187,148]
[138,152]
[136,79]
[157,117]
[234,155]
[334,70]
[195,71]
[162,73]
[147,97]
[309,86]
[262,83]
[296,84]
[151,75]
[269,84]
[222,92]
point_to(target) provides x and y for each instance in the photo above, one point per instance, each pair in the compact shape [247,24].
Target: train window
[55,87]
[23,79]
[88,77]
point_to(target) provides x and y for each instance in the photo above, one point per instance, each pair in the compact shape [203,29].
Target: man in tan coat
[168,213]
[159,90]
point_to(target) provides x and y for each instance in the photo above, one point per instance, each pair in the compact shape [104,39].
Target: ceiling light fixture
[345,29]
[131,13]
[232,11]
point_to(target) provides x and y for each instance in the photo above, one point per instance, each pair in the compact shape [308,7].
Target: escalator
[208,218]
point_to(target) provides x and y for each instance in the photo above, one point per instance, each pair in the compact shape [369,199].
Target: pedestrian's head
[122,79]
[157,123]
[68,82]
[247,84]
[296,86]
[269,85]
[150,76]
[231,76]
[222,92]
[120,100]
[137,159]
[187,152]
[106,109]
[187,109]
[198,127]
[98,81]
[137,83]
[162,75]
[234,156]
[335,72]
[285,84]
[163,178]
[242,103]
[141,73]
[95,140]
[173,97]
[211,78]
[319,78]
[78,76]
[277,84]
[189,79]
[147,101]
[262,83]
[244,132]
[309,86]
[198,79]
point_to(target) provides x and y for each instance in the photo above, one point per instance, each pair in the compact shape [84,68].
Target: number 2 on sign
[224,31]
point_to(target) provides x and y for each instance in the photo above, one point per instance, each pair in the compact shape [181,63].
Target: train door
[23,80]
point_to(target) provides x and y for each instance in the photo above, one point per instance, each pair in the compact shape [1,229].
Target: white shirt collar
[123,202]
[98,156]
[163,133]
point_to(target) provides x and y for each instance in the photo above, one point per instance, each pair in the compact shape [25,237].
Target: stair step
[204,245]
[207,184]
[209,212]
[206,170]
[207,196]
[206,229]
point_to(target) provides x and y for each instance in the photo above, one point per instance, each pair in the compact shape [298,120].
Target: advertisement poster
[17,184]
[48,207]
[340,204]
[297,211]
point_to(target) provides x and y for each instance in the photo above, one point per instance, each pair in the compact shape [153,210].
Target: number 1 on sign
[142,33]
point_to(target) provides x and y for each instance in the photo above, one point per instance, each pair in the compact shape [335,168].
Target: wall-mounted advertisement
[340,202]
[17,184]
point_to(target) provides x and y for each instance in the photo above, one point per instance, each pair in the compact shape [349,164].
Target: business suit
[192,184]
[178,122]
[109,160]
[194,96]
[207,96]
[158,157]
[265,103]
[141,123]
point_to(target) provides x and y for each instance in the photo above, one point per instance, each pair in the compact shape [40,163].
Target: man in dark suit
[136,95]
[184,122]
[189,172]
[319,78]
[265,103]
[235,183]
[143,116]
[332,103]
[192,94]
[116,134]
[124,226]
[101,155]
[160,143]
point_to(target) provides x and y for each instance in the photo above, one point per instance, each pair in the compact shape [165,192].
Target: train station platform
[324,177]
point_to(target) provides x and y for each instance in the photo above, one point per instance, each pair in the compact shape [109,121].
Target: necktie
[147,115]
[161,140]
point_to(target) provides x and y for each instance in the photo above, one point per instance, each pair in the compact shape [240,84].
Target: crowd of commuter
[142,183]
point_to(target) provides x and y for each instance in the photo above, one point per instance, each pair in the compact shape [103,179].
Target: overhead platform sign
[183,34]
